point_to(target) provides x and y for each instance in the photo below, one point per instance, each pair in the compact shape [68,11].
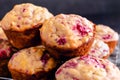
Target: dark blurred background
[99,11]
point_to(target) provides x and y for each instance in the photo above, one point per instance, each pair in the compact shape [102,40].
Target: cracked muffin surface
[67,31]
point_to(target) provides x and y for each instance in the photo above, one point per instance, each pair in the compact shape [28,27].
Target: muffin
[32,63]
[108,35]
[22,23]
[88,68]
[67,35]
[6,52]
[99,49]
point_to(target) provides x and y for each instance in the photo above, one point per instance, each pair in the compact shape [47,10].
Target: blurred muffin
[88,68]
[31,63]
[22,23]
[6,52]
[67,35]
[99,49]
[108,35]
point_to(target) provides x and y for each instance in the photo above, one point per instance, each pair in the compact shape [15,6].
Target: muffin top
[66,31]
[99,49]
[25,16]
[105,33]
[32,60]
[88,68]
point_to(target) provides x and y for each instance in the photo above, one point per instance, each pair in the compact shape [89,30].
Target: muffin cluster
[37,45]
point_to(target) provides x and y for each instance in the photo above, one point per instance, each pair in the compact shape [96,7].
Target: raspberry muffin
[32,63]
[99,49]
[67,35]
[88,68]
[6,52]
[108,35]
[22,23]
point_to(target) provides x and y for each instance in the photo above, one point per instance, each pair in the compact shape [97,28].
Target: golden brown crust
[22,76]
[112,45]
[80,51]
[38,76]
[23,39]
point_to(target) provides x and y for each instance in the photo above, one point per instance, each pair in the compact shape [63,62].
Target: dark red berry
[107,36]
[61,41]
[45,58]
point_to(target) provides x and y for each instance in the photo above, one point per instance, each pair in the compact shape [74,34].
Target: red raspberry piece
[61,41]
[45,58]
[107,36]
[83,30]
